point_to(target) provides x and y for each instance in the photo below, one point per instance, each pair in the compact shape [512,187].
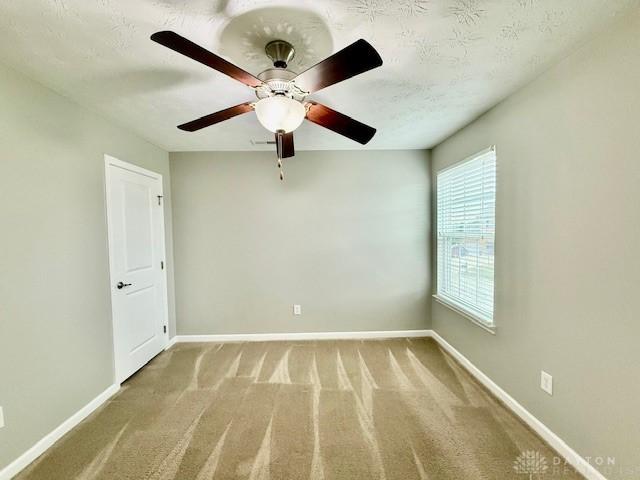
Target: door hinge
[164,329]
[161,265]
[159,199]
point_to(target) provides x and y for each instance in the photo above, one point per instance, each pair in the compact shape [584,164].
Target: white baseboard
[266,337]
[172,341]
[42,445]
[559,445]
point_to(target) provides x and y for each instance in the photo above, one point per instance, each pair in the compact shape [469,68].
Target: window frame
[458,307]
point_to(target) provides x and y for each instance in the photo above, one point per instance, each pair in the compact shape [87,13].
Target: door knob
[121,285]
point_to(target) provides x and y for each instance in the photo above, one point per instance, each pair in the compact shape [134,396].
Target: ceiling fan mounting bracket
[280,52]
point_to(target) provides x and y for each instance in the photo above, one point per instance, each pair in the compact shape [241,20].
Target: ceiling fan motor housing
[279,81]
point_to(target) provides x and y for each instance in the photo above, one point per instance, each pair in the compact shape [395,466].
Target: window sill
[469,316]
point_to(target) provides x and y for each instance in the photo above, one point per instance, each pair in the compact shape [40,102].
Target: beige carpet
[379,409]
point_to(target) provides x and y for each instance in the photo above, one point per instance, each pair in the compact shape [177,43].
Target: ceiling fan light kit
[280,112]
[282,107]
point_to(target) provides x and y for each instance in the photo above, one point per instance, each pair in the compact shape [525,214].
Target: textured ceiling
[446,61]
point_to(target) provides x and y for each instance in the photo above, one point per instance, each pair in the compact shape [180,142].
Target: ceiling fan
[282,106]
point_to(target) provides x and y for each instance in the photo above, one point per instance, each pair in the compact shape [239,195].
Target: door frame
[109,162]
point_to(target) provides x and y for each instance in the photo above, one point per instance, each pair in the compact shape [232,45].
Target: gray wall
[346,236]
[55,312]
[567,246]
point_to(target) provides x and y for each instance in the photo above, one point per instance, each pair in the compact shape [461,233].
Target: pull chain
[281,170]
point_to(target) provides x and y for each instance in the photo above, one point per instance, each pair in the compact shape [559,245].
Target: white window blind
[466,199]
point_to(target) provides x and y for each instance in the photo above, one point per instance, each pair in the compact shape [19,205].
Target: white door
[135,217]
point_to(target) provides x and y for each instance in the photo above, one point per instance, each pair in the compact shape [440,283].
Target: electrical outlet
[1,418]
[297,310]
[546,382]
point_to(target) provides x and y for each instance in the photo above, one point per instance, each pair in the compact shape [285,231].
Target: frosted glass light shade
[280,113]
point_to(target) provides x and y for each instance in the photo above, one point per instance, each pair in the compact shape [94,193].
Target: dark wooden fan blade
[284,144]
[340,123]
[217,117]
[353,60]
[186,47]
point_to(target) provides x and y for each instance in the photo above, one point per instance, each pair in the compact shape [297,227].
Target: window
[466,199]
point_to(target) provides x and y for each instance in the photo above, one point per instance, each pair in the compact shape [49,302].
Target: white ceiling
[446,61]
